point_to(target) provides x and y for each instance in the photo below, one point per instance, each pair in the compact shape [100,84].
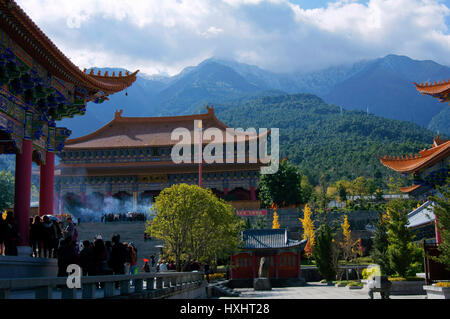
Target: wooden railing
[148,285]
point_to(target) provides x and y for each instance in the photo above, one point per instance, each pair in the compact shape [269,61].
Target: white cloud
[279,35]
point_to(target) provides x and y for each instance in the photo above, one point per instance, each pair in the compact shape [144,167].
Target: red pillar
[22,195]
[299,264]
[225,190]
[277,264]
[254,266]
[252,193]
[231,266]
[46,184]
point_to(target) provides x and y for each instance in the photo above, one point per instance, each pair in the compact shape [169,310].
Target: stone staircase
[128,231]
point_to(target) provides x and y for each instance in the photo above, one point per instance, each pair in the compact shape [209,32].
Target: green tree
[380,245]
[282,188]
[342,193]
[442,211]
[194,224]
[401,249]
[323,252]
[6,190]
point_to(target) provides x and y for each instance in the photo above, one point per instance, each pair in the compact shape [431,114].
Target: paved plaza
[313,291]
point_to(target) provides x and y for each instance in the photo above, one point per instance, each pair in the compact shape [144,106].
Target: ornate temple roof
[426,158]
[422,215]
[268,239]
[16,23]
[128,132]
[437,89]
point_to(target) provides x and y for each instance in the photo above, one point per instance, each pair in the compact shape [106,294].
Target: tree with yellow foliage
[275,224]
[308,229]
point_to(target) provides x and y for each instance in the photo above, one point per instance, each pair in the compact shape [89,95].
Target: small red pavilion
[283,254]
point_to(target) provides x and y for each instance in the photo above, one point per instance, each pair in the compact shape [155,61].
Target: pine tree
[380,245]
[401,249]
[323,253]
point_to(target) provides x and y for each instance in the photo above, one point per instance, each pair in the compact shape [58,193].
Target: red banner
[252,212]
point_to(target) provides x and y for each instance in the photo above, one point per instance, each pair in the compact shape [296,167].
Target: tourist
[152,257]
[118,256]
[11,235]
[57,232]
[47,237]
[100,257]
[69,229]
[36,236]
[146,267]
[163,266]
[108,246]
[67,255]
[87,260]
[133,259]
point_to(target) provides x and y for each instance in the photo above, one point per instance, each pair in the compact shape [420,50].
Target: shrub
[354,283]
[215,276]
[445,284]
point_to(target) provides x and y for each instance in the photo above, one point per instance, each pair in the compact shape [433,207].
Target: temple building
[39,86]
[439,90]
[283,254]
[430,169]
[129,160]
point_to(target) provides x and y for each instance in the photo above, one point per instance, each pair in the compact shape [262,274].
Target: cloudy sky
[164,36]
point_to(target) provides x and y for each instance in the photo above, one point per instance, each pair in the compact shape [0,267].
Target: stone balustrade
[144,285]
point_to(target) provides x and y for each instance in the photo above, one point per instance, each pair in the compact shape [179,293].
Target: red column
[22,195]
[252,193]
[225,190]
[277,264]
[231,266]
[46,184]
[255,270]
[299,264]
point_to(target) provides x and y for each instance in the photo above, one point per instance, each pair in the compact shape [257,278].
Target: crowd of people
[121,217]
[106,257]
[51,238]
[45,237]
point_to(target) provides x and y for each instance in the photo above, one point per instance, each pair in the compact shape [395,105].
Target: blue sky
[163,37]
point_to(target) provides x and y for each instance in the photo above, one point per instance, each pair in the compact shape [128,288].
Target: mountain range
[381,86]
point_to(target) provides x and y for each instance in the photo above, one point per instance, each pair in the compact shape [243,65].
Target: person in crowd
[108,246]
[100,257]
[152,258]
[67,255]
[133,259]
[163,266]
[69,229]
[87,260]
[47,237]
[11,235]
[57,232]
[118,256]
[2,233]
[36,236]
[146,267]
[127,258]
